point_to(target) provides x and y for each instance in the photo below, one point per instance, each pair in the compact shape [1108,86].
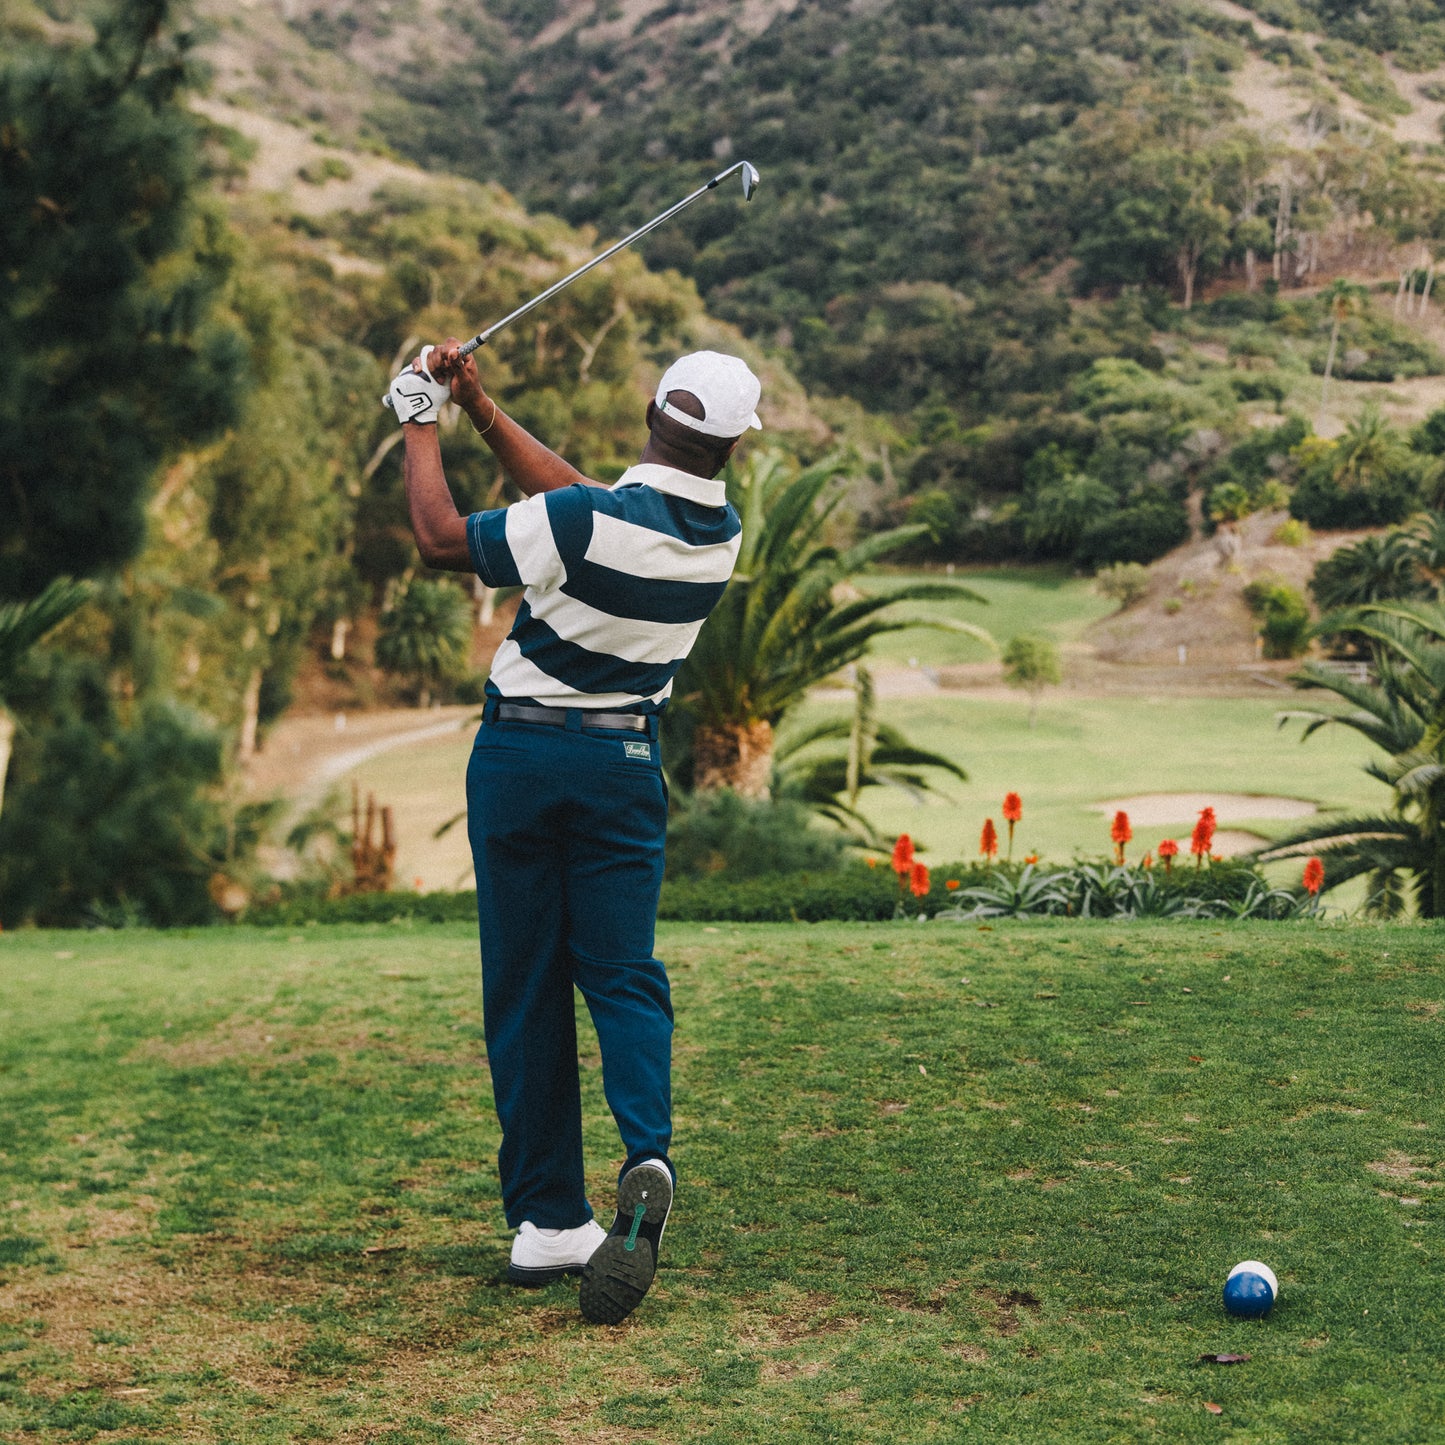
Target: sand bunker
[1231,842]
[1159,809]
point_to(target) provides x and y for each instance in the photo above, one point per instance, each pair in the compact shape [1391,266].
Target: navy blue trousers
[567,828]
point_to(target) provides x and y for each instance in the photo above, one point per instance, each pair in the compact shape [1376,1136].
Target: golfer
[566,804]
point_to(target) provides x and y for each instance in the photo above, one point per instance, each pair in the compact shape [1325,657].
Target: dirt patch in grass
[1005,1306]
[1399,1166]
[973,1354]
[912,1302]
[243,1037]
[191,1312]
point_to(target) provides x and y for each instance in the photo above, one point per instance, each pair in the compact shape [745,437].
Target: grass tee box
[937,1183]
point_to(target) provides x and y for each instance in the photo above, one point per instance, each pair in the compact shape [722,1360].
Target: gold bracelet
[481,431]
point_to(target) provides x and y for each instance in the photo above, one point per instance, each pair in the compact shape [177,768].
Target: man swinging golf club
[566,804]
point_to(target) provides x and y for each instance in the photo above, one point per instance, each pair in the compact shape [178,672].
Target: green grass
[938,1184]
[1085,750]
[1050,600]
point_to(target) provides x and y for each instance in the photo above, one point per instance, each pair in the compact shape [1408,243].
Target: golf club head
[750,180]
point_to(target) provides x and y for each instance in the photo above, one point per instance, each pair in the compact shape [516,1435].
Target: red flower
[1147,861]
[1314,878]
[1013,810]
[951,884]
[1121,833]
[902,854]
[918,879]
[872,862]
[1031,857]
[1169,851]
[1200,843]
[988,839]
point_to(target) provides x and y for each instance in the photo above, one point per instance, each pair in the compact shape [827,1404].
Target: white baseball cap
[728,392]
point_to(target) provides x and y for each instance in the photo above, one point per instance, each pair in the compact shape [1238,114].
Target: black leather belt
[557,717]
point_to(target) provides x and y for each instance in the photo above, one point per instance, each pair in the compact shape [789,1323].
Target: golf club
[750,184]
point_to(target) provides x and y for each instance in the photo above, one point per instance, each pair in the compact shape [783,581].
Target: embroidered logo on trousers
[638,750]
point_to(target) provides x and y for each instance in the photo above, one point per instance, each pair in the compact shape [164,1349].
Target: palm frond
[1339,833]
[23,624]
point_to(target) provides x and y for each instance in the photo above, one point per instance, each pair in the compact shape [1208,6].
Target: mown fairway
[938,1183]
[1085,750]
[1048,600]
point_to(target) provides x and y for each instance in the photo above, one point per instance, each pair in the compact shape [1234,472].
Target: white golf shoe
[540,1256]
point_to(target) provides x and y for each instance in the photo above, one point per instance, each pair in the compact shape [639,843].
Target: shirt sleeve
[532,543]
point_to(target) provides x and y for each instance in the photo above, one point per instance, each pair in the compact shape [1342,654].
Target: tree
[22,625]
[1368,477]
[1031,662]
[112,352]
[426,635]
[1377,568]
[1402,713]
[115,819]
[1062,511]
[787,622]
[1123,582]
[1342,299]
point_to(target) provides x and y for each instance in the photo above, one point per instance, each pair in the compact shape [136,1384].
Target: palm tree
[786,623]
[426,635]
[1403,713]
[22,625]
[1377,568]
[1342,299]
[829,779]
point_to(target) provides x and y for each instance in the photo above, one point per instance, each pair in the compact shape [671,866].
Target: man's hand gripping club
[415,394]
[439,373]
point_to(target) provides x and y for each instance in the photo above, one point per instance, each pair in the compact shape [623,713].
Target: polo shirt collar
[710,492]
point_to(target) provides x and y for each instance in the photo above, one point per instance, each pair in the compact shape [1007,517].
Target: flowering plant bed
[1098,889]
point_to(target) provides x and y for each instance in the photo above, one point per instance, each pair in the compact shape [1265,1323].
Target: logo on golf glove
[414,396]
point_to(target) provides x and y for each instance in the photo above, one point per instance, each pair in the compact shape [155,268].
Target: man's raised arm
[440,530]
[532,466]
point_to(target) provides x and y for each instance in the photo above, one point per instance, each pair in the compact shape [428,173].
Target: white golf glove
[414,395]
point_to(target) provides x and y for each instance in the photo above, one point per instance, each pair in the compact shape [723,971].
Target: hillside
[967,210]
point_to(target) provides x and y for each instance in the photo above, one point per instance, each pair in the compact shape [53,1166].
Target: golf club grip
[475,344]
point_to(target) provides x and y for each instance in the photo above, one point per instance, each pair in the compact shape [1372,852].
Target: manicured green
[1089,750]
[1053,601]
[938,1183]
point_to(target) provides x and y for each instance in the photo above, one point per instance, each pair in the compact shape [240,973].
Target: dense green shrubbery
[1284,616]
[1373,348]
[849,895]
[108,819]
[1257,466]
[1141,532]
[1369,477]
[721,833]
[852,894]
[313,906]
[1328,501]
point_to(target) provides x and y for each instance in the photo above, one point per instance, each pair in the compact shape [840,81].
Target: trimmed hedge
[852,894]
[311,907]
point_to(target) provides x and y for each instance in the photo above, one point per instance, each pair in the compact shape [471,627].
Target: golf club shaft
[482,337]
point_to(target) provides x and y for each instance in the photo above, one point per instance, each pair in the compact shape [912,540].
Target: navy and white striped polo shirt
[619,582]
